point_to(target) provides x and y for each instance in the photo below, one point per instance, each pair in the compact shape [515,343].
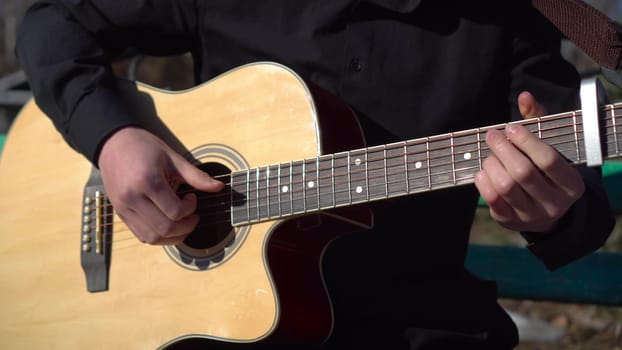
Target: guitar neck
[397,169]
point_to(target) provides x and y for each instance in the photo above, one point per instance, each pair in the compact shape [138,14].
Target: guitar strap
[591,30]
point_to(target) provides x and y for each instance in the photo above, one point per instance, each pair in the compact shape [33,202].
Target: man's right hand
[138,170]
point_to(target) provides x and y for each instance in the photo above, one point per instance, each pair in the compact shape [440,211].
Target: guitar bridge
[96,234]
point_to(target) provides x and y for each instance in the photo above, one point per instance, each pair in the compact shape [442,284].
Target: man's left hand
[527,184]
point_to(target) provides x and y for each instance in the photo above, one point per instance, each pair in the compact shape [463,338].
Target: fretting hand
[527,184]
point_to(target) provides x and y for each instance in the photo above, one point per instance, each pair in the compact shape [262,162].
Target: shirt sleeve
[583,230]
[538,67]
[66,48]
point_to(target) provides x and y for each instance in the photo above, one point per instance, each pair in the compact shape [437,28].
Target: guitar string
[529,122]
[478,132]
[225,205]
[485,151]
[224,197]
[121,227]
[401,145]
[388,174]
[313,194]
[413,159]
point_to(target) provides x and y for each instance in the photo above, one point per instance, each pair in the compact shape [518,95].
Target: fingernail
[511,129]
[493,135]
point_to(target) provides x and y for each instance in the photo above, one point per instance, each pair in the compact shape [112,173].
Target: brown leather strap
[592,31]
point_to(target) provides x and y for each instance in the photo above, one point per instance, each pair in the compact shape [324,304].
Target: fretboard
[397,169]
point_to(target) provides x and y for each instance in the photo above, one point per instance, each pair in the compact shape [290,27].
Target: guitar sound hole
[214,231]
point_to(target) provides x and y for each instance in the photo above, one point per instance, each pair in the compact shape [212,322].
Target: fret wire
[279,189]
[366,152]
[291,186]
[428,150]
[437,185]
[317,180]
[453,157]
[615,132]
[349,179]
[332,172]
[442,183]
[488,149]
[406,167]
[268,190]
[427,147]
[440,164]
[386,177]
[576,134]
[479,148]
[466,168]
[449,182]
[274,192]
[257,191]
[304,186]
[462,178]
[477,144]
[460,169]
[248,193]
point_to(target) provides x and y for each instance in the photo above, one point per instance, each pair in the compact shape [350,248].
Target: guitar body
[264,285]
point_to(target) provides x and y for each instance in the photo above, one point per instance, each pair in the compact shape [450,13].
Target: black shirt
[445,66]
[408,68]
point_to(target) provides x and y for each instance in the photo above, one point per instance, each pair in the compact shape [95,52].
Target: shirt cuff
[583,230]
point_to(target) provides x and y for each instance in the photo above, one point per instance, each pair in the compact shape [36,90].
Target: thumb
[194,176]
[529,107]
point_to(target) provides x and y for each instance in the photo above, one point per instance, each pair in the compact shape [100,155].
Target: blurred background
[173,75]
[553,325]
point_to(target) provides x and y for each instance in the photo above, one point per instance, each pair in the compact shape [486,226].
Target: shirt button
[355,65]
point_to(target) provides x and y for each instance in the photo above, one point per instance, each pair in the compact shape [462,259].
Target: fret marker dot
[359,189]
[467,156]
[418,165]
[284,189]
[357,161]
[311,184]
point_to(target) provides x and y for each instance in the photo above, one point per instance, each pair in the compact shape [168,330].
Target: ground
[586,327]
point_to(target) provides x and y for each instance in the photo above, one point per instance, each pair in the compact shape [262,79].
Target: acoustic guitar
[72,276]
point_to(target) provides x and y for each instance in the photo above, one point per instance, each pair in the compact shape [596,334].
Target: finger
[159,225]
[517,165]
[194,176]
[506,186]
[159,190]
[529,107]
[499,209]
[144,233]
[138,227]
[542,192]
[547,161]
